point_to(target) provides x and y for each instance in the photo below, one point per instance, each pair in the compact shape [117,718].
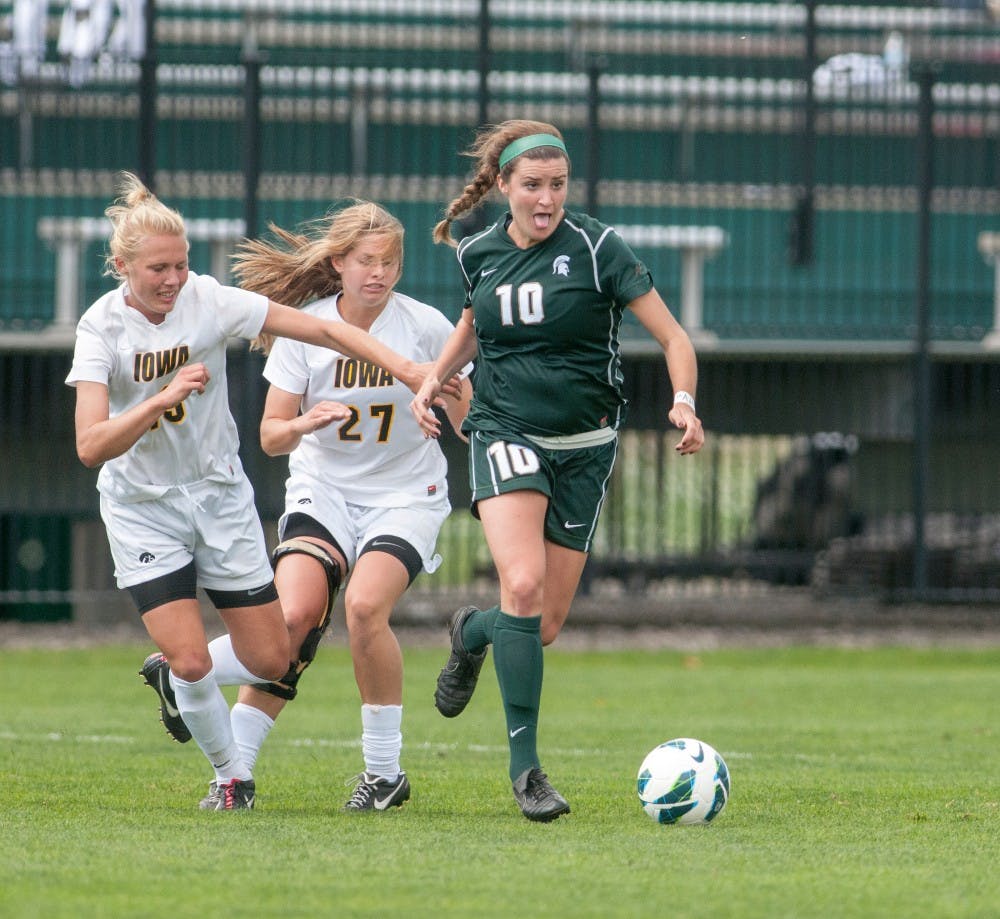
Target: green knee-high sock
[477,631]
[517,659]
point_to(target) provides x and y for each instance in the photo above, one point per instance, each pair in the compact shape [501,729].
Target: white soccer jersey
[196,440]
[378,457]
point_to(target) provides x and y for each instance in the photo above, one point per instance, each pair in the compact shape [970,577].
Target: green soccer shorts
[574,480]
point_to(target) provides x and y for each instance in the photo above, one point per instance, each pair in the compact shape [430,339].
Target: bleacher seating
[700,115]
[701,162]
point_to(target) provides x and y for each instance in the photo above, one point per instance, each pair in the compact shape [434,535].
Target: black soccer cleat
[457,681]
[538,800]
[376,793]
[156,672]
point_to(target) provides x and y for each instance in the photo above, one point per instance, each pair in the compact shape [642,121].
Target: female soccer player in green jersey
[546,290]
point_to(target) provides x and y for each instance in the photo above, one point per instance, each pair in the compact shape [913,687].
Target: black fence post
[593,134]
[147,99]
[800,237]
[921,361]
[252,60]
[245,366]
[479,218]
[485,63]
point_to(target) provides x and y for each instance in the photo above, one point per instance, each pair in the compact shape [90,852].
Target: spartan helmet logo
[147,557]
[561,265]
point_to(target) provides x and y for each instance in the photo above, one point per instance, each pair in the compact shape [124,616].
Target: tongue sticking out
[541,221]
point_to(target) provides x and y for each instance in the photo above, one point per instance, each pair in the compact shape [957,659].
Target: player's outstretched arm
[100,437]
[460,348]
[682,365]
[287,322]
[456,408]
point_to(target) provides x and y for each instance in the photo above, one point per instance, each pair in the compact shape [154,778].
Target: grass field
[865,783]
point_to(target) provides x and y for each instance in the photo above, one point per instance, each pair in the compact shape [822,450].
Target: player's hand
[682,416]
[190,378]
[321,415]
[422,406]
[416,373]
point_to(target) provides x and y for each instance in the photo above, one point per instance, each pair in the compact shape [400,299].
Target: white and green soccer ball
[683,781]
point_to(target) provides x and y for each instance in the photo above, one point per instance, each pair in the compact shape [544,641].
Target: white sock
[250,729]
[205,712]
[229,670]
[381,740]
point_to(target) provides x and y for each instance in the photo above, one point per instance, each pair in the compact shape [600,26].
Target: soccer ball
[683,781]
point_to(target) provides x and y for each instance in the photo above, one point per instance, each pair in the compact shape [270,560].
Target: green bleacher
[700,118]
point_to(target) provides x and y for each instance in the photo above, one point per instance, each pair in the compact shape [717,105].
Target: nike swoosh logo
[517,731]
[487,271]
[378,543]
[386,802]
[573,526]
[700,758]
[257,590]
[171,711]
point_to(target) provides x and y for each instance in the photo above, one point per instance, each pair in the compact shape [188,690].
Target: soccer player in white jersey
[546,290]
[152,410]
[366,492]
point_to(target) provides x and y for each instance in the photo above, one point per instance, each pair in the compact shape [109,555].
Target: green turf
[864,783]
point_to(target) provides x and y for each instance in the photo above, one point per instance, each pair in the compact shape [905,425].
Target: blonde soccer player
[152,410]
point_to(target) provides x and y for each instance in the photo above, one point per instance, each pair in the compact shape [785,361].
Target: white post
[67,281]
[989,247]
[218,259]
[696,244]
[221,235]
[69,237]
[692,286]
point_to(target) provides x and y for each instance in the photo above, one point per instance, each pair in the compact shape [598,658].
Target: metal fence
[816,189]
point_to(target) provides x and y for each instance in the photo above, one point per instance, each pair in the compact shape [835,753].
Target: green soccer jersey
[547,320]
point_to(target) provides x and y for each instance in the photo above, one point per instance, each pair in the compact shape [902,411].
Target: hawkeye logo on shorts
[147,557]
[560,265]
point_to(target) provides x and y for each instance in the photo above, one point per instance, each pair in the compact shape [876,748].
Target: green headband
[522,144]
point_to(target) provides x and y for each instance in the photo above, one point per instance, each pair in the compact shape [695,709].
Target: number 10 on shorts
[511,460]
